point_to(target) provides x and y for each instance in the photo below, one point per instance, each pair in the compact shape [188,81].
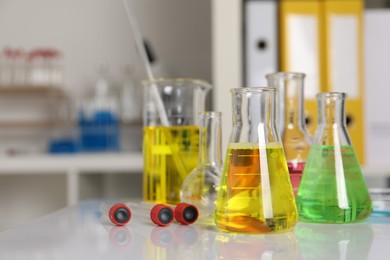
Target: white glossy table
[77,233]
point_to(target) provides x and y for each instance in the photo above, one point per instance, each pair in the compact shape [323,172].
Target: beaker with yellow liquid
[255,194]
[171,136]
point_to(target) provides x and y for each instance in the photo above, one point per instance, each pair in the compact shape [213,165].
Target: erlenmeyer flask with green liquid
[332,189]
[255,194]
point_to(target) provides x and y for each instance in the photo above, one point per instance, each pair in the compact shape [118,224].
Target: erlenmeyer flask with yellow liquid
[171,149]
[332,189]
[255,193]
[291,122]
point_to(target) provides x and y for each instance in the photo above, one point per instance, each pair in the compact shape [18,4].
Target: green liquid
[332,188]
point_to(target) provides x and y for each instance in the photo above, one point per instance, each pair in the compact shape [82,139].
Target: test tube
[186,213]
[116,213]
[160,214]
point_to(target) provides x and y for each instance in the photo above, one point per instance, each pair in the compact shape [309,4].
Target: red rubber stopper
[119,214]
[161,215]
[186,213]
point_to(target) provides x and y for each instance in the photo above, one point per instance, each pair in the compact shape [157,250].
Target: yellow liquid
[251,201]
[170,153]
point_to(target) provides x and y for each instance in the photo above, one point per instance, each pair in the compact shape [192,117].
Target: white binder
[260,41]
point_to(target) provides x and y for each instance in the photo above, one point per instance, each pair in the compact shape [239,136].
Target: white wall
[91,30]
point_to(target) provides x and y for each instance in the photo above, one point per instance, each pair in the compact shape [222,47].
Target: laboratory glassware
[200,186]
[6,68]
[291,121]
[160,214]
[255,193]
[130,96]
[333,189]
[98,116]
[186,213]
[62,137]
[171,144]
[118,214]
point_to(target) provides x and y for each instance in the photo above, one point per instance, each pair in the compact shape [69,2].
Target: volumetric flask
[291,121]
[171,135]
[332,188]
[255,194]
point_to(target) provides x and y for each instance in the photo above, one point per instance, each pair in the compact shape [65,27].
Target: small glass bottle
[98,116]
[255,194]
[200,186]
[333,189]
[130,96]
[62,137]
[6,68]
[295,137]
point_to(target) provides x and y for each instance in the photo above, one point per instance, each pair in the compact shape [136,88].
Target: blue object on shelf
[100,132]
[62,146]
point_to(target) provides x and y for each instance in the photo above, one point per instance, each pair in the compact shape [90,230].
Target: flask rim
[169,81]
[286,75]
[210,114]
[341,95]
[253,89]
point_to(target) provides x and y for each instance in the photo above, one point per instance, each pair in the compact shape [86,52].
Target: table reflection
[120,236]
[334,241]
[275,246]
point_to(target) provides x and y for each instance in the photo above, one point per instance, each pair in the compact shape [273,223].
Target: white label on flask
[303,50]
[343,48]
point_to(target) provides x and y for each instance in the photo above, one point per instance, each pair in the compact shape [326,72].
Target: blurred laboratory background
[71,91]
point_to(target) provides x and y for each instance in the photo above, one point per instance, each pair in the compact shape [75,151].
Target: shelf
[27,123]
[80,163]
[48,123]
[72,166]
[27,89]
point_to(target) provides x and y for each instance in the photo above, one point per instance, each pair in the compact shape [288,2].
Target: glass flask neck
[291,100]
[332,119]
[210,139]
[254,115]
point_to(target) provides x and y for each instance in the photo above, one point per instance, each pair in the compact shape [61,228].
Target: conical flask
[291,121]
[255,193]
[200,186]
[332,188]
